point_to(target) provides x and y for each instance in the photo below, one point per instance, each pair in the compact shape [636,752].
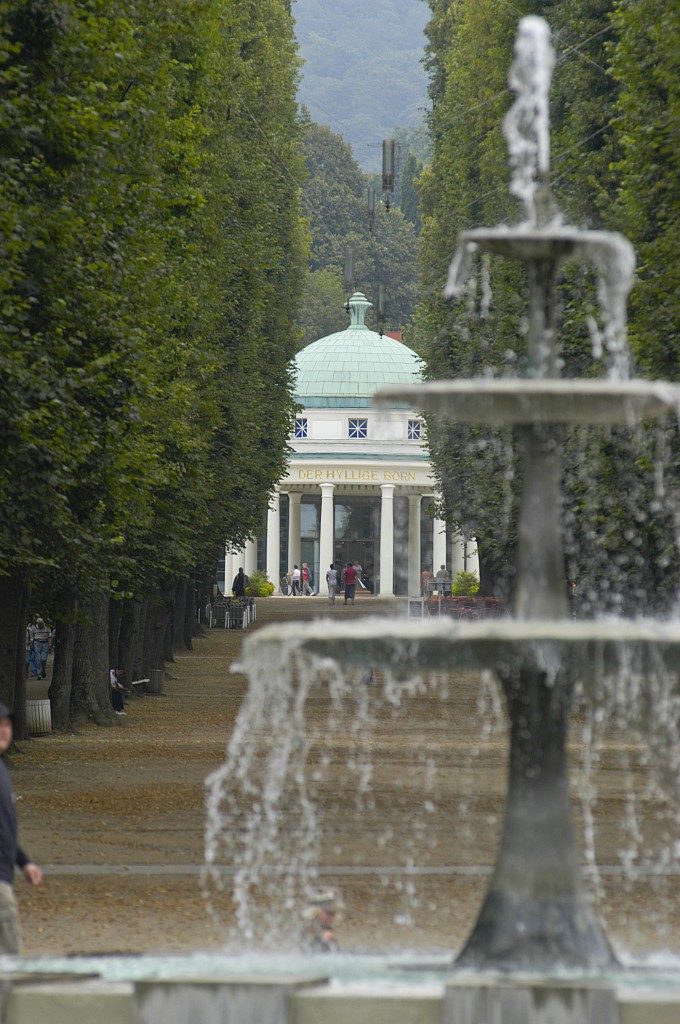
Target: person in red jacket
[349,578]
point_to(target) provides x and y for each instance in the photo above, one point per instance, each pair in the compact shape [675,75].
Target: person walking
[41,647]
[349,577]
[116,679]
[30,653]
[239,584]
[321,917]
[332,581]
[11,853]
[295,580]
[307,580]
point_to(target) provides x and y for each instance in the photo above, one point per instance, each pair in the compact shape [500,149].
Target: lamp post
[349,274]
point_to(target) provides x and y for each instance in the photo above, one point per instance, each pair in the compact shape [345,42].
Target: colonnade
[247,557]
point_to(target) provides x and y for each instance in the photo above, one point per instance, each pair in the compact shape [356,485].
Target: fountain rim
[526,242]
[510,401]
[406,650]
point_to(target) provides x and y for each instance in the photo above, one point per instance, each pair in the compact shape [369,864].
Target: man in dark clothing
[241,581]
[11,854]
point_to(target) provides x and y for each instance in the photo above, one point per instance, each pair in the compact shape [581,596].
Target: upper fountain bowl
[509,402]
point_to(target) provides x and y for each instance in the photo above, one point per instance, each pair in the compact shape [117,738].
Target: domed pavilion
[359,486]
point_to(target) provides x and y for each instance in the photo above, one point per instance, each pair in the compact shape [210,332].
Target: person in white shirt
[116,677]
[295,580]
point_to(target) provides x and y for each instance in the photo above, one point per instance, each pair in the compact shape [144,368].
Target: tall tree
[469,55]
[155,257]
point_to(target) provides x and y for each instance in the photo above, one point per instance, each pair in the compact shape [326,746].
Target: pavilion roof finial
[358,306]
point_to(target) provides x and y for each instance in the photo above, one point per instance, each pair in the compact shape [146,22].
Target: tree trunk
[191,626]
[90,690]
[179,642]
[62,673]
[131,640]
[13,603]
[115,618]
[169,625]
[20,731]
[155,624]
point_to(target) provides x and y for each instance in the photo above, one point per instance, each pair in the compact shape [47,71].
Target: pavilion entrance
[357,532]
[361,552]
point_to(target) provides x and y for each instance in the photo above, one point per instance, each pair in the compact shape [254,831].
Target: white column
[250,557]
[438,543]
[294,499]
[386,540]
[326,535]
[229,571]
[413,544]
[457,558]
[472,557]
[274,539]
[239,561]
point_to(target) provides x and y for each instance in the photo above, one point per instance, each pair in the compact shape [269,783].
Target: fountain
[536,951]
[536,916]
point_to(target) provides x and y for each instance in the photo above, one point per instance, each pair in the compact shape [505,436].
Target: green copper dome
[345,369]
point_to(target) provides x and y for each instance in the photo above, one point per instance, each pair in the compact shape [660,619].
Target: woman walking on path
[349,576]
[332,581]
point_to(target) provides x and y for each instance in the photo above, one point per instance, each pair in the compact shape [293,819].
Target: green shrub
[465,584]
[259,585]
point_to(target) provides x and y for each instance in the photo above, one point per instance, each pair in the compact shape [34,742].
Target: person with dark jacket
[11,853]
[241,581]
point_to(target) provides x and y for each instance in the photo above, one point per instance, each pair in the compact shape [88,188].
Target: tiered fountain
[536,916]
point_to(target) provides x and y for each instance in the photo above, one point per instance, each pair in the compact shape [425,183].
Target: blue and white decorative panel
[358,429]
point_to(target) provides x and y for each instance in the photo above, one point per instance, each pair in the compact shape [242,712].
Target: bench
[139,683]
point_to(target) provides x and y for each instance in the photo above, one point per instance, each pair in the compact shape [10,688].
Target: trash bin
[155,684]
[38,717]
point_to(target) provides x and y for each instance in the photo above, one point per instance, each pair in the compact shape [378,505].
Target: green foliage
[465,584]
[335,200]
[646,63]
[409,202]
[153,256]
[259,585]
[615,153]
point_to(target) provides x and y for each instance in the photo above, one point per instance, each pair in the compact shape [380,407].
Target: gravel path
[116,816]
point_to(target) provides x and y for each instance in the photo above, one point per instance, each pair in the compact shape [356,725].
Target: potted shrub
[259,585]
[465,584]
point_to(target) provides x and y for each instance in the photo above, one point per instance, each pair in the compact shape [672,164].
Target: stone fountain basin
[265,989]
[511,402]
[404,649]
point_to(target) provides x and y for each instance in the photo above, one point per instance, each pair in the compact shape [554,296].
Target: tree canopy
[153,253]
[614,109]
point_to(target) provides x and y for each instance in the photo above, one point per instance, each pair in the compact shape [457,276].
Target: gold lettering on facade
[359,475]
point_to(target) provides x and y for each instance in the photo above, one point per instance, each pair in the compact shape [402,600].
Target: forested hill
[363,74]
